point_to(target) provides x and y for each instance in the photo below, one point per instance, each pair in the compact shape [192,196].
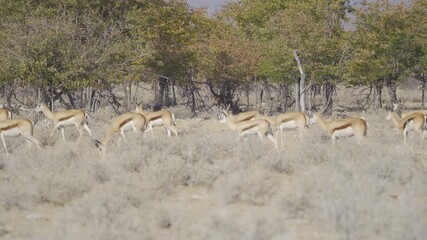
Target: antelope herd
[245,123]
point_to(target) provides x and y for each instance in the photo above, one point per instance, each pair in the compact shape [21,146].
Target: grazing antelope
[5,114]
[16,127]
[346,127]
[121,124]
[257,126]
[64,118]
[290,120]
[413,122]
[160,118]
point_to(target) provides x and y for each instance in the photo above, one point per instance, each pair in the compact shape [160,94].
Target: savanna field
[209,184]
[197,62]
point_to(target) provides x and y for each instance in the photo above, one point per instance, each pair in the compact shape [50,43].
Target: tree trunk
[391,86]
[190,92]
[126,92]
[327,96]
[378,86]
[301,83]
[94,100]
[9,95]
[167,100]
[159,102]
[173,93]
[423,90]
[2,91]
[247,93]
[297,95]
[267,91]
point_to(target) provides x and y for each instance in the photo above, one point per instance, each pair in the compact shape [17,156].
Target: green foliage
[314,29]
[69,44]
[381,48]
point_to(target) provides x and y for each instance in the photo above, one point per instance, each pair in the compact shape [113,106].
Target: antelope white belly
[250,131]
[410,126]
[128,126]
[345,132]
[157,122]
[289,125]
[67,122]
[14,132]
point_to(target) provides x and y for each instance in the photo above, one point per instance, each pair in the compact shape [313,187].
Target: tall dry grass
[209,184]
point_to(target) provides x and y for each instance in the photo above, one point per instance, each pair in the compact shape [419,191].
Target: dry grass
[207,184]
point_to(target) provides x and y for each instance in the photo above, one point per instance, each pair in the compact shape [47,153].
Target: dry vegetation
[208,184]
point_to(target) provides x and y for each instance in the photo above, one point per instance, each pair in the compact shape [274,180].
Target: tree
[382,50]
[62,46]
[226,61]
[314,30]
[418,29]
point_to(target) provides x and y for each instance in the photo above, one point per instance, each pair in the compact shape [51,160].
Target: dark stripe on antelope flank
[407,122]
[247,118]
[249,126]
[125,121]
[286,120]
[9,127]
[342,126]
[155,117]
[66,118]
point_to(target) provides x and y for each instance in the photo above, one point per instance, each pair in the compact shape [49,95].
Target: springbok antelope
[397,107]
[257,126]
[121,124]
[422,111]
[290,120]
[413,122]
[64,118]
[5,114]
[16,127]
[160,118]
[243,116]
[346,127]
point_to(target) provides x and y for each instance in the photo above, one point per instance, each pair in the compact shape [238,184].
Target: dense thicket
[81,49]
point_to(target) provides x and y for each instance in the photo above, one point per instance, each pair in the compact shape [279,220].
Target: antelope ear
[395,106]
[227,108]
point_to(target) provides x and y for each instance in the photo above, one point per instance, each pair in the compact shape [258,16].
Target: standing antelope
[397,107]
[16,127]
[290,120]
[257,126]
[121,124]
[346,127]
[243,116]
[160,118]
[422,111]
[5,114]
[64,118]
[413,122]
